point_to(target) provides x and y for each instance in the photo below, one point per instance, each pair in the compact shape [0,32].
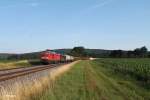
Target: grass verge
[31,86]
[87,80]
[18,63]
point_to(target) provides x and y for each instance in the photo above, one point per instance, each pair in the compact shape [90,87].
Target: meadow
[102,79]
[5,64]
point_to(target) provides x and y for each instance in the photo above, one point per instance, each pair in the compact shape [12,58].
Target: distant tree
[13,57]
[137,52]
[116,53]
[144,51]
[130,54]
[141,52]
[148,54]
[78,51]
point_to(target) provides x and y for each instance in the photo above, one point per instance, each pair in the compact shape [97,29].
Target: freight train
[49,57]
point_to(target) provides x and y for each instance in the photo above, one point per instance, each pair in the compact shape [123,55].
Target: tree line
[136,53]
[82,52]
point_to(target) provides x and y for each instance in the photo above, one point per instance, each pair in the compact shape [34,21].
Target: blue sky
[33,25]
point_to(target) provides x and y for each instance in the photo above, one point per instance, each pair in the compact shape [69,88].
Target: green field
[99,80]
[5,64]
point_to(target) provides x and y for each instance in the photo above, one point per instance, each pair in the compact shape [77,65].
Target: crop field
[139,69]
[102,79]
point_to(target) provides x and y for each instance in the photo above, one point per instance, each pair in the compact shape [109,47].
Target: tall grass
[88,81]
[27,88]
[18,63]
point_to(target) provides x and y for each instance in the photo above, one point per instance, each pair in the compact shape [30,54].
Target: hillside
[35,55]
[5,55]
[97,53]
[91,52]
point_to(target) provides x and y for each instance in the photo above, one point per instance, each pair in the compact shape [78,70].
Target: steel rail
[23,72]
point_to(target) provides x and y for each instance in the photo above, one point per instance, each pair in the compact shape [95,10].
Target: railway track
[8,74]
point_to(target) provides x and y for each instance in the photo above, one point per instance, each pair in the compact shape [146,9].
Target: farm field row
[137,69]
[98,80]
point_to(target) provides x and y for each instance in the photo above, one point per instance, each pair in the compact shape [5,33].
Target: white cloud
[101,4]
[34,4]
[96,6]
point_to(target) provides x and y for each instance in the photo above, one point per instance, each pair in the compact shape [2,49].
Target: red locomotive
[49,56]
